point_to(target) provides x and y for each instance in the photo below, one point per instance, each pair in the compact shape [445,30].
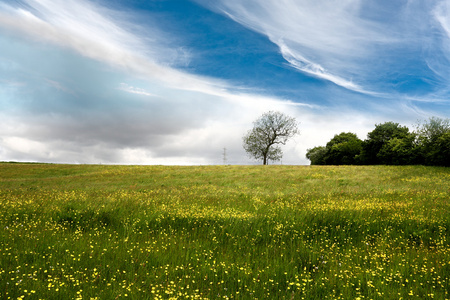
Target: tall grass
[217,232]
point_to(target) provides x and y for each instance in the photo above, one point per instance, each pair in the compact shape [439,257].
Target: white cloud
[299,62]
[59,86]
[322,38]
[441,13]
[440,63]
[134,90]
[85,28]
[131,139]
[193,117]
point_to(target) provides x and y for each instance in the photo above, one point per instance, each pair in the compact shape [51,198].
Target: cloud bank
[72,109]
[87,82]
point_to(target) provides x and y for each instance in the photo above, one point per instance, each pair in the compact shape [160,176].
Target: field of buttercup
[218,232]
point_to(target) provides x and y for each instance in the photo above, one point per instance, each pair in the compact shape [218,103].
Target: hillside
[208,232]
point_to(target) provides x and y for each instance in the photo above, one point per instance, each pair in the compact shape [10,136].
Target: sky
[178,82]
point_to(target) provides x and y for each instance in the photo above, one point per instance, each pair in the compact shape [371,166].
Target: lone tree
[269,131]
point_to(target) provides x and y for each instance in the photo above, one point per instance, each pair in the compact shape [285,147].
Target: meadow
[224,232]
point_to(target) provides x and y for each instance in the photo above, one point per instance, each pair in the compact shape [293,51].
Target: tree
[442,156]
[433,138]
[343,149]
[399,151]
[432,129]
[269,131]
[378,138]
[316,155]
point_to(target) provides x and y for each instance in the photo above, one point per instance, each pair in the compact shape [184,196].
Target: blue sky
[175,82]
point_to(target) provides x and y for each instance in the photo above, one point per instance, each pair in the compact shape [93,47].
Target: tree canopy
[379,140]
[317,155]
[269,131]
[389,144]
[343,149]
[434,141]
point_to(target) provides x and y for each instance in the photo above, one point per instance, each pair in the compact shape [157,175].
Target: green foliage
[256,147]
[343,149]
[208,232]
[433,140]
[389,144]
[269,131]
[379,139]
[431,130]
[317,155]
[398,151]
[442,153]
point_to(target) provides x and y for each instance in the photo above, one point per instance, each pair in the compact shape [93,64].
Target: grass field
[218,232]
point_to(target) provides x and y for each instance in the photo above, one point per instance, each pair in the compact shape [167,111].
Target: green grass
[217,232]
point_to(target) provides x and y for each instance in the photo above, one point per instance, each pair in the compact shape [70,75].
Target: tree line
[389,144]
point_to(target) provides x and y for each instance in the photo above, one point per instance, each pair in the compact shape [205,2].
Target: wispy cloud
[87,120]
[134,90]
[302,64]
[84,72]
[441,13]
[325,39]
[86,28]
[367,47]
[439,60]
[59,86]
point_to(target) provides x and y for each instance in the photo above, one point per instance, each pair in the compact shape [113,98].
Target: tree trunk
[265,154]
